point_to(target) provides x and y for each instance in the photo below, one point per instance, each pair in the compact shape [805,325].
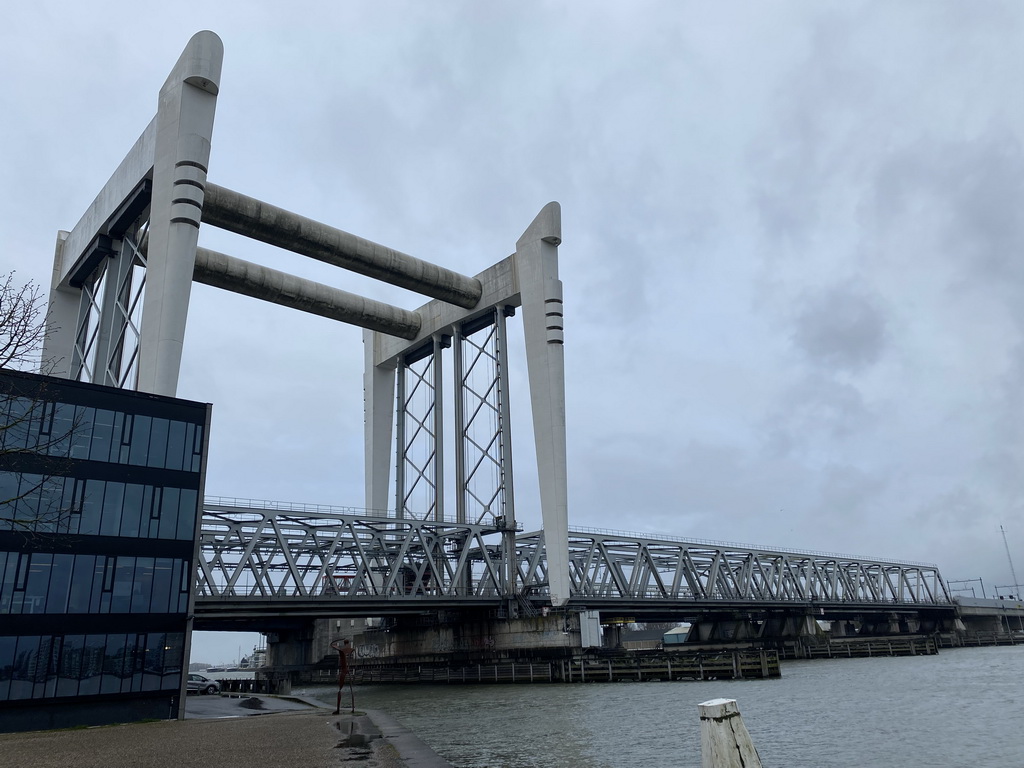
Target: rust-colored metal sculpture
[345,651]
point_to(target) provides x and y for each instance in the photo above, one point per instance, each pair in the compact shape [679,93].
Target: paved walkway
[294,735]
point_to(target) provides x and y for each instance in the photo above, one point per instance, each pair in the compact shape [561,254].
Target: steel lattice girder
[265,554]
[631,568]
[252,554]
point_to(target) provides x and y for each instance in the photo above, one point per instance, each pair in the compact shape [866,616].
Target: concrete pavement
[295,733]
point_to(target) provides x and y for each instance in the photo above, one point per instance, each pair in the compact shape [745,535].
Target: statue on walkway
[345,651]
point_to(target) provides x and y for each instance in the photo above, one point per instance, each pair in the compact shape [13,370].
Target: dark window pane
[136,647]
[153,663]
[25,667]
[190,437]
[127,426]
[56,514]
[60,583]
[140,440]
[26,508]
[39,508]
[174,654]
[92,664]
[92,507]
[113,499]
[197,449]
[121,594]
[7,647]
[82,580]
[117,664]
[102,435]
[7,576]
[38,582]
[180,585]
[142,588]
[188,514]
[18,418]
[46,674]
[158,443]
[8,486]
[62,431]
[71,659]
[99,601]
[71,503]
[8,495]
[150,512]
[82,436]
[131,513]
[169,513]
[175,445]
[162,585]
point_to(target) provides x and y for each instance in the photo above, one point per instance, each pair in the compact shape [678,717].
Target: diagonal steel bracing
[346,561]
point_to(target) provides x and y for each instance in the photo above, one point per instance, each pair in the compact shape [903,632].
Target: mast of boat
[1016,584]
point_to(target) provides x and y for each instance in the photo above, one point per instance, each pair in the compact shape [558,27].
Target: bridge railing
[262,505]
[717,544]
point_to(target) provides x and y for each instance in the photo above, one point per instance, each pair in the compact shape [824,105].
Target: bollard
[724,741]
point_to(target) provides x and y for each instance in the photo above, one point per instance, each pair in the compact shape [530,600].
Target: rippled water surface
[964,707]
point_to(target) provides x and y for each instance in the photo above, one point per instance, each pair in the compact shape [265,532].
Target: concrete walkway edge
[412,750]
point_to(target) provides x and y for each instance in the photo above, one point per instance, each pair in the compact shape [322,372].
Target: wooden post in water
[724,741]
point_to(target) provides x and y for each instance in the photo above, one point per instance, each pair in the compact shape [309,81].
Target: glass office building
[100,493]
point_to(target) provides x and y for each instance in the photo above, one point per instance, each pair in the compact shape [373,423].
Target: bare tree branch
[31,424]
[24,324]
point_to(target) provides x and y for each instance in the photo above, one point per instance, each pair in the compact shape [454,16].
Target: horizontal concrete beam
[246,216]
[231,274]
[500,286]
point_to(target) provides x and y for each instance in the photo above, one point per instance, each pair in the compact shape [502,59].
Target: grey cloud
[969,195]
[814,414]
[841,328]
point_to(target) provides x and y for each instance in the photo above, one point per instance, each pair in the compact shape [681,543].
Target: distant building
[100,493]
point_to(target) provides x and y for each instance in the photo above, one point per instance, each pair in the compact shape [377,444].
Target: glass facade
[100,495]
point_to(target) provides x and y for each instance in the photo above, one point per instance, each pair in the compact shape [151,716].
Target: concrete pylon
[184,129]
[527,279]
[537,270]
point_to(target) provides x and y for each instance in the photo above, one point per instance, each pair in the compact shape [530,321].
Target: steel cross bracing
[349,560]
[483,448]
[418,490]
[257,554]
[609,566]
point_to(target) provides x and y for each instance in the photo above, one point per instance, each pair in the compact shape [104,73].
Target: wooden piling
[724,740]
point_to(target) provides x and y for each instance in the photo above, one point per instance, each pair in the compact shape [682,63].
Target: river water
[963,707]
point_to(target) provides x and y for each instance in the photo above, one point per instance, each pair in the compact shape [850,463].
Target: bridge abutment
[472,639]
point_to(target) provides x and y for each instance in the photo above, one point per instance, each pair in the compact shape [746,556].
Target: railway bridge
[420,551]
[277,567]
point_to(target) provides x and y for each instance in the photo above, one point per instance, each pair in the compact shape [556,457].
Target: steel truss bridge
[261,560]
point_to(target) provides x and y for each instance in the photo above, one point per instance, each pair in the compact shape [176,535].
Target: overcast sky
[793,249]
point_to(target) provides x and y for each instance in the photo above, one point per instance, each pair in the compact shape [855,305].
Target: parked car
[201,684]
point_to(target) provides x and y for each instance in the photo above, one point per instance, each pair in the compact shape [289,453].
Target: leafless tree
[24,326]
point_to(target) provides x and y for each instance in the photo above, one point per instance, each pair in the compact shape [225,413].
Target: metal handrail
[302,507]
[737,545]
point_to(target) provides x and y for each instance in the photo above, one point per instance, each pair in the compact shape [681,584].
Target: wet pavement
[242,732]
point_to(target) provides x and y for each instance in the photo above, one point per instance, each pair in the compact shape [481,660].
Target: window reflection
[89,497]
[64,583]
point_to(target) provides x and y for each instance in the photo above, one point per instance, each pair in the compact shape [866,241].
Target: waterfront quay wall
[644,666]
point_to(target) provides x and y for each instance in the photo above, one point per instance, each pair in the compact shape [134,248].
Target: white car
[201,684]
